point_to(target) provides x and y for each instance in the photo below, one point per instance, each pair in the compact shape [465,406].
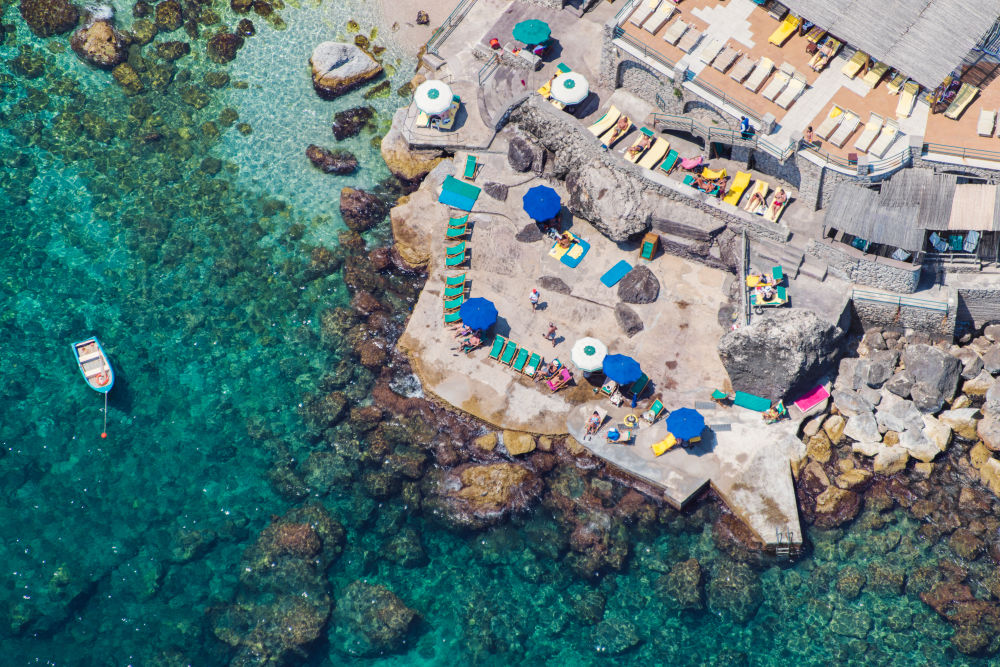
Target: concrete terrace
[746,27]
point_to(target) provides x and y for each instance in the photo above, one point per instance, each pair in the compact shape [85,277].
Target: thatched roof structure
[910,203]
[925,39]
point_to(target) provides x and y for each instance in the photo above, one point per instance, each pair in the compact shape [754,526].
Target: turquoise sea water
[193,274]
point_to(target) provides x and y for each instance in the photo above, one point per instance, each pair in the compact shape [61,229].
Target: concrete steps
[814,268]
[789,257]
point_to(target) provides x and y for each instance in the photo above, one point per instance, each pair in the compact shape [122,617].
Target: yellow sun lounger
[611,138]
[759,188]
[546,89]
[740,183]
[875,74]
[854,65]
[655,154]
[605,122]
[785,30]
[829,123]
[966,94]
[713,174]
[665,445]
[633,155]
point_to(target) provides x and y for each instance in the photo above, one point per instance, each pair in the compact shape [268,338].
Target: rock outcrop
[610,199]
[407,165]
[361,210]
[331,162]
[807,350]
[350,122]
[935,376]
[339,67]
[49,17]
[100,44]
[476,496]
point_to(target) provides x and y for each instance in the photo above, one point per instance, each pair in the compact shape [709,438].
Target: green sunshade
[532,31]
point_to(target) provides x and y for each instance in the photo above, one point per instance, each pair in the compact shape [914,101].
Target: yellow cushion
[664,445]
[836,112]
[576,251]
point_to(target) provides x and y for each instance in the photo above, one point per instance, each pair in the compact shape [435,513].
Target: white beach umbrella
[588,354]
[570,88]
[433,97]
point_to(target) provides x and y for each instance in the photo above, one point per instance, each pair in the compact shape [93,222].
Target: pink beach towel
[812,397]
[689,163]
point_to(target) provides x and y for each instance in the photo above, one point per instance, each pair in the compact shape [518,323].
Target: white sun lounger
[847,127]
[725,60]
[689,40]
[674,32]
[987,123]
[792,91]
[778,83]
[659,18]
[829,123]
[907,99]
[764,67]
[885,138]
[644,11]
[742,69]
[710,48]
[872,129]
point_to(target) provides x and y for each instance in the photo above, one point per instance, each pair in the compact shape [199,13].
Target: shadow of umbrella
[502,327]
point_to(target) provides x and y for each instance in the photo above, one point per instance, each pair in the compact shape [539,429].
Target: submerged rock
[476,496]
[350,122]
[128,79]
[222,48]
[735,588]
[246,28]
[808,350]
[614,637]
[370,620]
[683,585]
[339,67]
[49,17]
[331,162]
[169,15]
[171,51]
[361,210]
[100,44]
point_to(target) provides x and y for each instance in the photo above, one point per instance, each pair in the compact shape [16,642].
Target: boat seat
[90,357]
[91,368]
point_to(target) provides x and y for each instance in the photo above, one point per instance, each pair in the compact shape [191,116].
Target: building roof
[925,39]
[911,202]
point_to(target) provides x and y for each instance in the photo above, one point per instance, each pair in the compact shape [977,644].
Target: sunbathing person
[780,197]
[756,201]
[463,331]
[566,241]
[767,292]
[593,423]
[549,371]
[723,185]
[471,343]
[619,130]
[701,183]
[638,147]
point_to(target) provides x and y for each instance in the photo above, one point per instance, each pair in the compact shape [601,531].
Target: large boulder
[935,375]
[331,162]
[361,210]
[972,363]
[339,67]
[99,44]
[614,201]
[476,496]
[781,356]
[49,17]
[639,286]
[875,369]
[524,155]
[350,122]
[628,320]
[407,165]
[222,47]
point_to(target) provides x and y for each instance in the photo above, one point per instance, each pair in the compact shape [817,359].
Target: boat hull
[94,365]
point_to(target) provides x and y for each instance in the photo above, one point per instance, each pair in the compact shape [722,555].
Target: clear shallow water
[116,550]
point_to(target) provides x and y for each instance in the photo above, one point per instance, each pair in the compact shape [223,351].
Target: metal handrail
[726,99]
[959,151]
[881,297]
[449,25]
[625,11]
[486,71]
[646,52]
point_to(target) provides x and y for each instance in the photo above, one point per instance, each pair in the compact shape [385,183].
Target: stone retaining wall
[852,266]
[573,146]
[978,307]
[890,316]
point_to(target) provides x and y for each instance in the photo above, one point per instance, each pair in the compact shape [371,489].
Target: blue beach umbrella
[685,423]
[532,31]
[478,313]
[621,369]
[541,203]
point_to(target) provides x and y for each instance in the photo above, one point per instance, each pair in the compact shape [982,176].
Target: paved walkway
[746,461]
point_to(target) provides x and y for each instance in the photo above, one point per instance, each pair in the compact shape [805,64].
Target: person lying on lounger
[620,127]
[471,343]
[780,197]
[593,423]
[463,331]
[550,370]
[640,146]
[756,201]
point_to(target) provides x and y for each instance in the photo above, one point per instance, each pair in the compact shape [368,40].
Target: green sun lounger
[458,193]
[654,412]
[521,360]
[457,249]
[456,260]
[455,281]
[751,402]
[455,232]
[533,363]
[777,273]
[454,304]
[452,292]
[470,168]
[459,222]
[498,343]
[670,161]
[508,353]
[719,395]
[563,68]
[452,317]
[639,385]
[689,180]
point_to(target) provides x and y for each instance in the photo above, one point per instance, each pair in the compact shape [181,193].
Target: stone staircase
[792,259]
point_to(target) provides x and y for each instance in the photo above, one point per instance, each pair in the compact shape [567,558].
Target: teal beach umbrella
[532,31]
